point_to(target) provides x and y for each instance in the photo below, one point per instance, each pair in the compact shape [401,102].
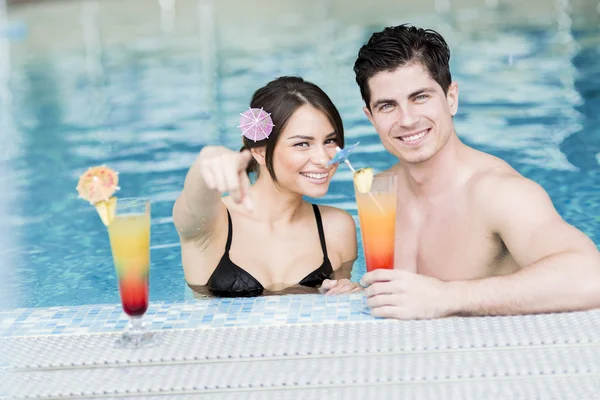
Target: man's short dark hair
[401,45]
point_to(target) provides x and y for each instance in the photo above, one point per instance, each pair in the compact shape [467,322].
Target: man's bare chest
[449,243]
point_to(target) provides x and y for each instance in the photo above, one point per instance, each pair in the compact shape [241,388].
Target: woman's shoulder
[338,225]
[336,217]
[340,234]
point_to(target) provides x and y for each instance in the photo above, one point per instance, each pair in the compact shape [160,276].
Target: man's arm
[560,265]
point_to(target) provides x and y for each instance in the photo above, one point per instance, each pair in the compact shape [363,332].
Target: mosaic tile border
[202,313]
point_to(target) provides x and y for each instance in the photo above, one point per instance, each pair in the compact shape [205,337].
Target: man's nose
[408,118]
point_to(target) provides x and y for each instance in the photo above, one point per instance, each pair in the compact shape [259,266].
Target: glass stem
[136,324]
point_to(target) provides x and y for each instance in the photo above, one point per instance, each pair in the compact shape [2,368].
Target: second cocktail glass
[377,218]
[129,235]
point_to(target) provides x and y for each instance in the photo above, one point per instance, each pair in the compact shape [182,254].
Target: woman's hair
[281,98]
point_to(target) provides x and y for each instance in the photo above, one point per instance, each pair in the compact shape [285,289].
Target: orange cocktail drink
[377,218]
[129,235]
[128,223]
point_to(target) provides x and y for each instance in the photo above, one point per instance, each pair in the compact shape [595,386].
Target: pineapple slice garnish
[363,179]
[106,210]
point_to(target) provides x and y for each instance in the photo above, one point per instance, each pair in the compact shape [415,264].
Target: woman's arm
[216,170]
[341,240]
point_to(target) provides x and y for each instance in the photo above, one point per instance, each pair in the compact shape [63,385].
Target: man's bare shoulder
[498,190]
[500,180]
[484,163]
[487,171]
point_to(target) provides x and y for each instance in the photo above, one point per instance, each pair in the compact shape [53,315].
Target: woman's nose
[321,158]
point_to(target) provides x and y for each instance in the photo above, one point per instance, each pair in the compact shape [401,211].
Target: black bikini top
[230,280]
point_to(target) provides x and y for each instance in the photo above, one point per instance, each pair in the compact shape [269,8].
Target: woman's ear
[259,154]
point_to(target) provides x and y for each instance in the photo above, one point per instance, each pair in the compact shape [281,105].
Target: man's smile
[414,138]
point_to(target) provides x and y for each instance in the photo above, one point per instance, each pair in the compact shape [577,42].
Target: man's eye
[385,107]
[421,97]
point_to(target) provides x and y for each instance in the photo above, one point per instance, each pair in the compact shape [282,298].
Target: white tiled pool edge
[202,313]
[545,356]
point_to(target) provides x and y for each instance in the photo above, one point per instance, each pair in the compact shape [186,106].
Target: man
[474,237]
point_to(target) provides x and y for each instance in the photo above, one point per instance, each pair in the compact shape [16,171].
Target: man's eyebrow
[384,101]
[421,91]
[410,96]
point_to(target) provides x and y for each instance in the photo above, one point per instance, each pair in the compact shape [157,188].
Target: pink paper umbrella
[98,184]
[256,124]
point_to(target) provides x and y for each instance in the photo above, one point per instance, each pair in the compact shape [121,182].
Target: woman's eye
[301,144]
[331,141]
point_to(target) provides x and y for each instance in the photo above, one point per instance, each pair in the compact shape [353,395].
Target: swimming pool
[143,91]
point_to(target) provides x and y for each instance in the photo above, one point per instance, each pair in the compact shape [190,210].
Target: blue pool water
[145,104]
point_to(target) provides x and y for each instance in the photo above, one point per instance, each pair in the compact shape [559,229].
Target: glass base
[136,336]
[136,340]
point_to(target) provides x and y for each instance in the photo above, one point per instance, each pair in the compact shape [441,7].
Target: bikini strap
[229,232]
[320,227]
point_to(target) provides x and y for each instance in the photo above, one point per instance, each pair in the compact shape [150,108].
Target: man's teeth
[314,176]
[413,137]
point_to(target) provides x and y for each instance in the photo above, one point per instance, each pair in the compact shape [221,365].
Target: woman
[265,236]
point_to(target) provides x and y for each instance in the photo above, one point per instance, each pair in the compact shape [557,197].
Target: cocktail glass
[129,234]
[377,218]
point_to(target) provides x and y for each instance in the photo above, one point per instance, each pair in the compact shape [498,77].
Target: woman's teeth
[314,176]
[414,137]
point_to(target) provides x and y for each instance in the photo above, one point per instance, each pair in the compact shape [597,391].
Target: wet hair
[282,97]
[401,45]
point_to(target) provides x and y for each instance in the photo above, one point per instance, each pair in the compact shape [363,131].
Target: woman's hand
[340,286]
[224,170]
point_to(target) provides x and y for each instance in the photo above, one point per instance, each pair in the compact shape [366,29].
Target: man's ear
[259,154]
[452,98]
[368,114]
